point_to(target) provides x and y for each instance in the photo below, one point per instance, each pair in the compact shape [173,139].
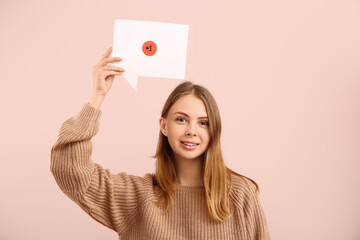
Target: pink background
[285,74]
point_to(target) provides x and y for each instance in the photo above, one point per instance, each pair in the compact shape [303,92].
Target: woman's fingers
[109,60]
[107,73]
[107,54]
[113,68]
[105,59]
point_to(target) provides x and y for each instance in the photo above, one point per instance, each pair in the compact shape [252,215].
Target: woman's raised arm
[108,198]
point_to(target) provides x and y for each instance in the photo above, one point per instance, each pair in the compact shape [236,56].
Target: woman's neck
[189,172]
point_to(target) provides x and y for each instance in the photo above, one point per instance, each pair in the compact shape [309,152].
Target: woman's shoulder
[242,181]
[136,180]
[243,189]
[138,183]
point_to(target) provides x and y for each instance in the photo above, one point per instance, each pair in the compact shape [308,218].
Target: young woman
[191,195]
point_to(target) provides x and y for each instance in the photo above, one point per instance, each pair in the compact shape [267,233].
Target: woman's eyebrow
[188,115]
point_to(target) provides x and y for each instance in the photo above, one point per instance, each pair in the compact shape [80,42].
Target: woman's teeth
[190,144]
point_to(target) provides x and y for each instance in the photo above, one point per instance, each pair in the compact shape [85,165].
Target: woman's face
[186,123]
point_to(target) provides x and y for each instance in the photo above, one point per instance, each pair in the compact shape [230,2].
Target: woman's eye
[179,119]
[205,123]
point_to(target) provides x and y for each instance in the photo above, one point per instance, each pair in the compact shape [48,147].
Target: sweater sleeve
[107,198]
[262,231]
[259,228]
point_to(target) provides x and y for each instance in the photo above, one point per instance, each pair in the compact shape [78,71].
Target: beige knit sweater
[122,202]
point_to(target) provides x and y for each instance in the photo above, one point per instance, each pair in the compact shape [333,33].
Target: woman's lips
[189,147]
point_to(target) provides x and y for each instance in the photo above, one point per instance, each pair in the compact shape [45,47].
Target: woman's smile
[189,145]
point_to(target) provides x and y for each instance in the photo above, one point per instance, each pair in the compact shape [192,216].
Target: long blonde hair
[216,175]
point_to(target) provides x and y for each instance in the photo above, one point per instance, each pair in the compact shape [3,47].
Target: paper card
[152,49]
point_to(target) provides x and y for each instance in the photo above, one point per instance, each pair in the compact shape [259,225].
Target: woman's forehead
[190,105]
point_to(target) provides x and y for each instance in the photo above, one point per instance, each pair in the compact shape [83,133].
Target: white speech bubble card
[152,49]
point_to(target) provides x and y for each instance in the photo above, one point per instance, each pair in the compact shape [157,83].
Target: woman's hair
[216,175]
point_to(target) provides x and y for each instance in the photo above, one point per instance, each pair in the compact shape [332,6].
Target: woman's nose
[191,130]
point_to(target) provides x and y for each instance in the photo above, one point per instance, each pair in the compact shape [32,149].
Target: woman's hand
[103,75]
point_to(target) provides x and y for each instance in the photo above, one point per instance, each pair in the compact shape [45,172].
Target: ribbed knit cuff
[89,112]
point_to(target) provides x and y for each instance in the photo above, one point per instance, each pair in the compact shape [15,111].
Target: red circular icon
[149,48]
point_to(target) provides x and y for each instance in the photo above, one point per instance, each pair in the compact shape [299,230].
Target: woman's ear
[162,123]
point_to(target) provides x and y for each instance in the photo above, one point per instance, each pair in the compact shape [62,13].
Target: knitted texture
[123,202]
